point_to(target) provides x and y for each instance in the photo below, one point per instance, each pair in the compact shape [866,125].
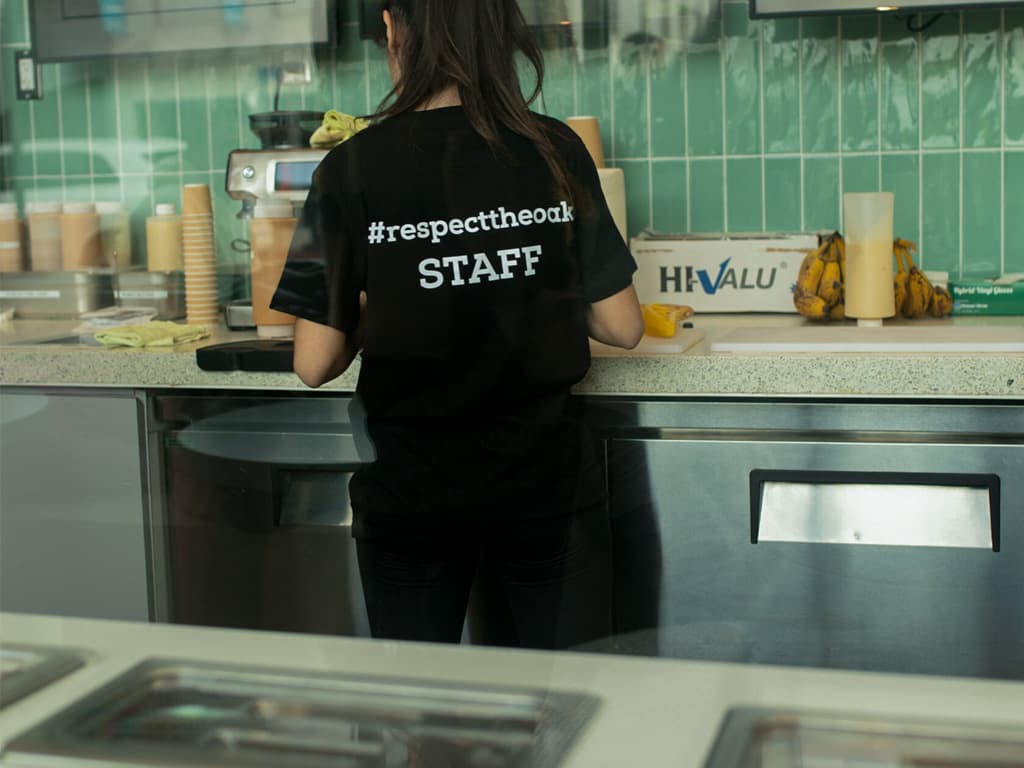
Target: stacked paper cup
[200,254]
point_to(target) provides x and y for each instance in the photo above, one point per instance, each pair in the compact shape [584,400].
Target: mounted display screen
[903,7]
[73,29]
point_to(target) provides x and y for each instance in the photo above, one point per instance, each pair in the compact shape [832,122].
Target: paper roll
[589,129]
[613,183]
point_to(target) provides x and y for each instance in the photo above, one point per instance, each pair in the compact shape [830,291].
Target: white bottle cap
[165,209]
[273,209]
[42,207]
[8,211]
[79,208]
[110,207]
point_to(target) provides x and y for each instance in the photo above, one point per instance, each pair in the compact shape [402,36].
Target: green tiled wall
[747,126]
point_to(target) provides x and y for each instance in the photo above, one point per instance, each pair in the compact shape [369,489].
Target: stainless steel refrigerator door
[737,588]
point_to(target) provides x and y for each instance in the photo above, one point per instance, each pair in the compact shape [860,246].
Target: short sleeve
[326,267]
[607,264]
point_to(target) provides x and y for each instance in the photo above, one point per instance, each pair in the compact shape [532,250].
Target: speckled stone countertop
[696,372]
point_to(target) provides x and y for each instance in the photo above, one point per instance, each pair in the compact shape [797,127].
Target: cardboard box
[986,297]
[721,273]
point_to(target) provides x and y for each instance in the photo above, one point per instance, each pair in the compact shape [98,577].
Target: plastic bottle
[12,255]
[163,240]
[80,237]
[115,234]
[270,233]
[44,236]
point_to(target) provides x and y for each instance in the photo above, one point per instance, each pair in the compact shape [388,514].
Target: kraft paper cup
[589,129]
[195,198]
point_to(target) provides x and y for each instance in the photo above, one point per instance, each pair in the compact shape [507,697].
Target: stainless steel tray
[25,669]
[173,713]
[770,738]
[56,294]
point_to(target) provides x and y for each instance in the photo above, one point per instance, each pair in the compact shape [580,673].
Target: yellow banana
[899,280]
[810,271]
[919,294]
[840,246]
[838,312]
[942,302]
[831,288]
[811,306]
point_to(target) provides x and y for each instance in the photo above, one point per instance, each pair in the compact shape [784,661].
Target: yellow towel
[156,333]
[336,128]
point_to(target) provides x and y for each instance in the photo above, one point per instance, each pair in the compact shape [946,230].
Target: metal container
[56,294]
[166,712]
[24,669]
[768,738]
[164,291]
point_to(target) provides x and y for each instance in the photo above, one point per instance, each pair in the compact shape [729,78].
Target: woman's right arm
[617,320]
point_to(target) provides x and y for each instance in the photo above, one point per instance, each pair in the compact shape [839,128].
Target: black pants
[542,583]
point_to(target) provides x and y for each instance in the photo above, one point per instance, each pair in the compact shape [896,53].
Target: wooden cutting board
[650,345]
[895,338]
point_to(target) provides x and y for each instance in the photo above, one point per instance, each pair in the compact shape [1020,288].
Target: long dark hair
[472,44]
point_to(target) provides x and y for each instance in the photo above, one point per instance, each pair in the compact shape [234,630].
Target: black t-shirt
[478,276]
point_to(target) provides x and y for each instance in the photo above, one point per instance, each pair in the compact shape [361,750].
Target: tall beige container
[80,237]
[868,220]
[271,235]
[44,236]
[115,234]
[163,240]
[12,253]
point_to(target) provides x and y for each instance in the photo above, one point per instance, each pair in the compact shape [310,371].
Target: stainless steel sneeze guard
[753,737]
[887,509]
[24,669]
[165,712]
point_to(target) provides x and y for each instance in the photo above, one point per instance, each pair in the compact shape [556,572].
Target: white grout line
[920,141]
[576,84]
[1004,45]
[120,127]
[87,79]
[149,129]
[764,132]
[239,112]
[59,89]
[866,153]
[370,108]
[722,48]
[839,103]
[32,144]
[686,132]
[963,219]
[880,79]
[177,113]
[650,142]
[611,105]
[800,114]
[209,117]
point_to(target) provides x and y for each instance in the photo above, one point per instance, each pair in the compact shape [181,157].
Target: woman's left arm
[323,353]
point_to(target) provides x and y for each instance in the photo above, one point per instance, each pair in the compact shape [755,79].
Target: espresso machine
[279,172]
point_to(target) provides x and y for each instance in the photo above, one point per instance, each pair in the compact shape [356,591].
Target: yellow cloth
[336,128]
[156,333]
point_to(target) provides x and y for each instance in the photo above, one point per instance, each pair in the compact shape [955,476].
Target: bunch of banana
[915,295]
[819,293]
